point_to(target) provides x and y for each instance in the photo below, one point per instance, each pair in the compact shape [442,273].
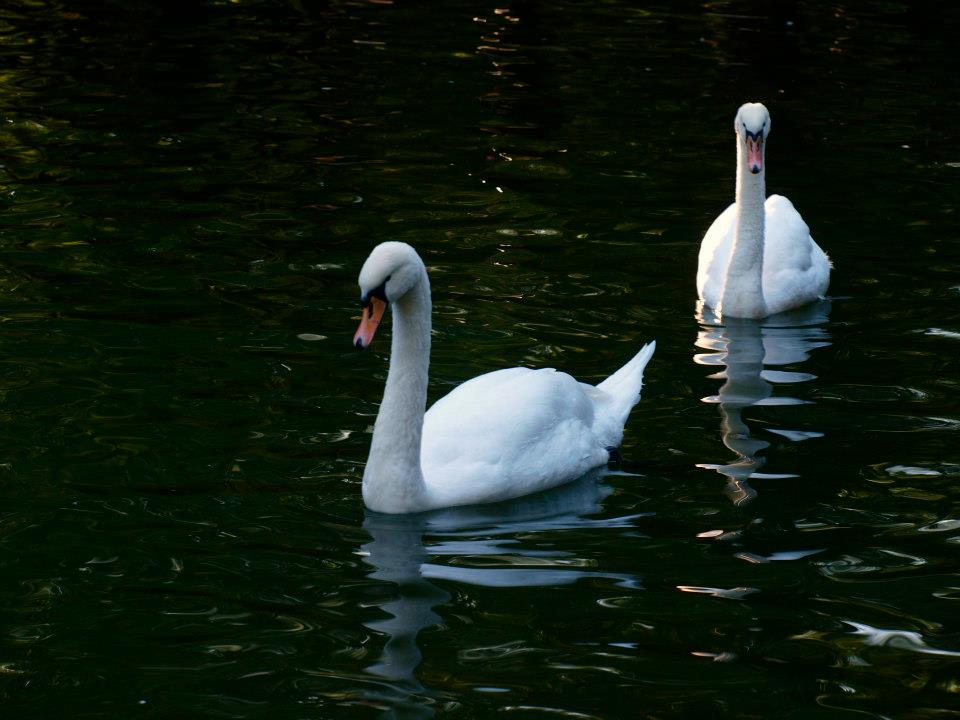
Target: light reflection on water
[748,350]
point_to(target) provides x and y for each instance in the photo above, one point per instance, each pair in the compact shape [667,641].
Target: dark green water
[187,192]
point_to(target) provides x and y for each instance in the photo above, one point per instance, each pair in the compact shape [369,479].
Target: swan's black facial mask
[379,292]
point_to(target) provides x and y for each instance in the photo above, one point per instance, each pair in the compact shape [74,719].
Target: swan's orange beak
[372,313]
[755,153]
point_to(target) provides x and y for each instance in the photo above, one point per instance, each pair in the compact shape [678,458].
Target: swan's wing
[508,433]
[715,256]
[795,270]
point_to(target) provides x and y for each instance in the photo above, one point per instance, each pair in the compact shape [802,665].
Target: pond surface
[187,192]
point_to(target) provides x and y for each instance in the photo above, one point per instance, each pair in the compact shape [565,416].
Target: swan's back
[519,431]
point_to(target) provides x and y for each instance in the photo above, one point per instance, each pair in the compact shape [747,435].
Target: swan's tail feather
[625,384]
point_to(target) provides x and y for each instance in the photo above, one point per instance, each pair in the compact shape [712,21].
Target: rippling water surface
[187,192]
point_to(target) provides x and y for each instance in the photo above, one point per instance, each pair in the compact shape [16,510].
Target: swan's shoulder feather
[784,228]
[508,433]
[715,256]
[795,269]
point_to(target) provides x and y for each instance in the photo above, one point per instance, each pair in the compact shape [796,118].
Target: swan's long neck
[393,479]
[743,288]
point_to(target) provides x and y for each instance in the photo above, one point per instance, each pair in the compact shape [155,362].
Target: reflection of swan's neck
[397,554]
[744,386]
[393,480]
[743,286]
[736,434]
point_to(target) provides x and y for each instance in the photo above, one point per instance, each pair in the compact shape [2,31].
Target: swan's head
[391,271]
[752,127]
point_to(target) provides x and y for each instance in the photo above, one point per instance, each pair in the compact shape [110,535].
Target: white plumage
[497,436]
[758,258]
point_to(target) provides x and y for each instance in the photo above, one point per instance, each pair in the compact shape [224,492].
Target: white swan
[758,259]
[498,436]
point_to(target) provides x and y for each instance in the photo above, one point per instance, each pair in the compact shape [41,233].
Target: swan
[497,436]
[757,258]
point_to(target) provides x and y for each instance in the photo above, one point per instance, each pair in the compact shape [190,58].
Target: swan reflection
[748,351]
[408,550]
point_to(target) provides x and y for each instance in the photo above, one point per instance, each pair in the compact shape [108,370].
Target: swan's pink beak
[370,318]
[755,153]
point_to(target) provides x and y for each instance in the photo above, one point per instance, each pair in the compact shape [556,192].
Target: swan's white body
[498,436]
[758,258]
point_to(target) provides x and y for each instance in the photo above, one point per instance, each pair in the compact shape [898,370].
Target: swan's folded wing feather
[715,256]
[508,433]
[795,270]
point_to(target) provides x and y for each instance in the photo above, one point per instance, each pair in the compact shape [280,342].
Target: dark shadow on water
[748,351]
[407,550]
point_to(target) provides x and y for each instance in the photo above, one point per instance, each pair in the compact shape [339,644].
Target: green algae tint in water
[188,192]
